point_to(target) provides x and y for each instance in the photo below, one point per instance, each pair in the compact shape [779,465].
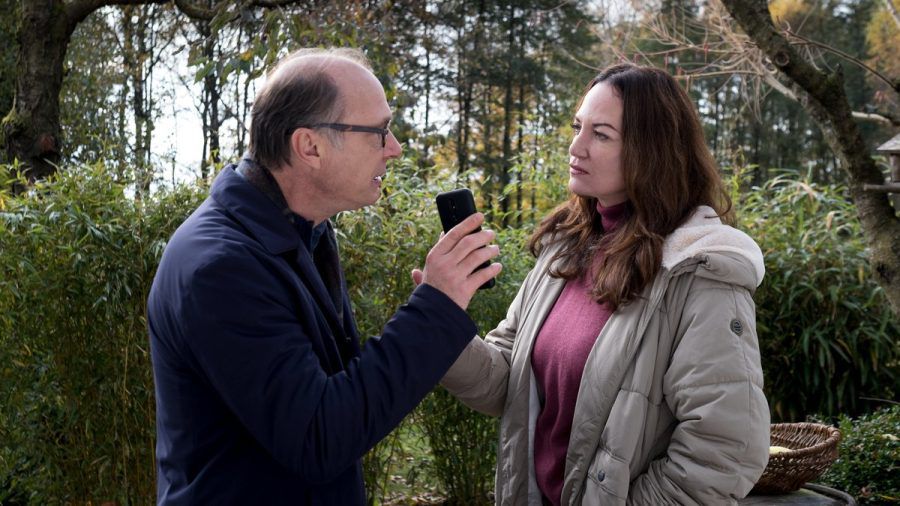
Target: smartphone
[453,207]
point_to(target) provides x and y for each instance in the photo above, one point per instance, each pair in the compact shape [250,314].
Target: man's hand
[451,264]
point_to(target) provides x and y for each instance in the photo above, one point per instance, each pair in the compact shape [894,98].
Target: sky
[177,142]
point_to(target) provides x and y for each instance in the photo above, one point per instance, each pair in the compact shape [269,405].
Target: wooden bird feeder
[892,149]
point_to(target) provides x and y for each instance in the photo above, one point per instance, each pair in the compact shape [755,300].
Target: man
[263,394]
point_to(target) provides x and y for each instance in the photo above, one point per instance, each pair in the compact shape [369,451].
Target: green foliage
[77,255]
[463,442]
[464,448]
[868,466]
[380,245]
[76,259]
[826,332]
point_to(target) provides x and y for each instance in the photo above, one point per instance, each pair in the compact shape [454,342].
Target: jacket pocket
[607,481]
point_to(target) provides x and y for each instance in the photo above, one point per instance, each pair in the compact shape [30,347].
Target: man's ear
[307,145]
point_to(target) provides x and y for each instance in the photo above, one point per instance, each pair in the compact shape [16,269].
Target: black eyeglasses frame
[343,127]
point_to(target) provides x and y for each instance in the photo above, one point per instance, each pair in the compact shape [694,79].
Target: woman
[627,369]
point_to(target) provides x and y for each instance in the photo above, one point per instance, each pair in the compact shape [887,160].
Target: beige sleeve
[480,375]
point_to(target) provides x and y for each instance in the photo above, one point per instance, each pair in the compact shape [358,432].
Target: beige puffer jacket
[670,409]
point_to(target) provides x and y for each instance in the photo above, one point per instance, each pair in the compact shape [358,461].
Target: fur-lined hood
[726,253]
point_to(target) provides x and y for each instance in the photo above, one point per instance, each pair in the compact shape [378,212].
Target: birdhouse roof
[891,146]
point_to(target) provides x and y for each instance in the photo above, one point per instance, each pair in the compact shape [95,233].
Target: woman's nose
[577,148]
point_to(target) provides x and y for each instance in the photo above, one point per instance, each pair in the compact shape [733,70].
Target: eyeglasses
[342,127]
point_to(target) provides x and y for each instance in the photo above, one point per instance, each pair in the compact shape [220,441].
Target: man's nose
[392,147]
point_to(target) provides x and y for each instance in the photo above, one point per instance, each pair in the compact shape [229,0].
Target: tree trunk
[31,129]
[30,132]
[507,118]
[520,108]
[426,136]
[826,101]
[487,158]
[136,55]
[211,96]
[143,122]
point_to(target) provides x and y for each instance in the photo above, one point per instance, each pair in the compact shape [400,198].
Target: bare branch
[78,10]
[827,104]
[194,11]
[579,62]
[830,49]
[197,12]
[728,52]
[273,4]
[724,51]
[781,88]
[880,118]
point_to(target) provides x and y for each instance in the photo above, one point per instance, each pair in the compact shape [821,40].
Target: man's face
[353,167]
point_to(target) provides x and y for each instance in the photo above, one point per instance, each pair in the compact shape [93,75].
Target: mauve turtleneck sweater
[558,358]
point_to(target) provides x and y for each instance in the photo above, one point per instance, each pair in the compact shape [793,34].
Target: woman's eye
[600,135]
[576,127]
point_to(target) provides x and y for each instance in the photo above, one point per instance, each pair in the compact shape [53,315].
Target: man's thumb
[417,277]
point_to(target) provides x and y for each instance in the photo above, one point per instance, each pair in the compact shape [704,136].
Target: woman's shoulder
[725,252]
[550,245]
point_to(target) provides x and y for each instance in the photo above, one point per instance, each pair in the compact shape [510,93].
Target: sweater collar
[614,216]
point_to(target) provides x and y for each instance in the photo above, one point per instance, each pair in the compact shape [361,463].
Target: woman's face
[595,155]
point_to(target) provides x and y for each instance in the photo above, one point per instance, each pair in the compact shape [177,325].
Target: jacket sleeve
[480,375]
[243,331]
[713,386]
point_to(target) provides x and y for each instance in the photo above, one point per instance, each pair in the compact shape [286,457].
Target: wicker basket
[813,449]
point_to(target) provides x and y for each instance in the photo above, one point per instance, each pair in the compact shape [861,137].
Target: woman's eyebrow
[595,125]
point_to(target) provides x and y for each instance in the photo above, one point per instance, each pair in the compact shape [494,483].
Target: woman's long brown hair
[668,172]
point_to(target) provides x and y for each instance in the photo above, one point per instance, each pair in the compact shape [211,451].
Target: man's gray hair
[298,92]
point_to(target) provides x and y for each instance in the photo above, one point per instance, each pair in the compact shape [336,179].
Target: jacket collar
[255,211]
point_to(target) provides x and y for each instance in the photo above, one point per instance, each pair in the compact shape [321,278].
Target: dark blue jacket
[259,401]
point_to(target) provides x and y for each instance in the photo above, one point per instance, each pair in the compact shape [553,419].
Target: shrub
[826,332]
[76,259]
[379,247]
[77,256]
[868,466]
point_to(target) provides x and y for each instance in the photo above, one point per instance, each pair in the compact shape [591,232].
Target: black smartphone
[453,207]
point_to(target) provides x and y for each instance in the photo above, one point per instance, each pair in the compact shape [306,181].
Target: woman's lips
[576,170]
